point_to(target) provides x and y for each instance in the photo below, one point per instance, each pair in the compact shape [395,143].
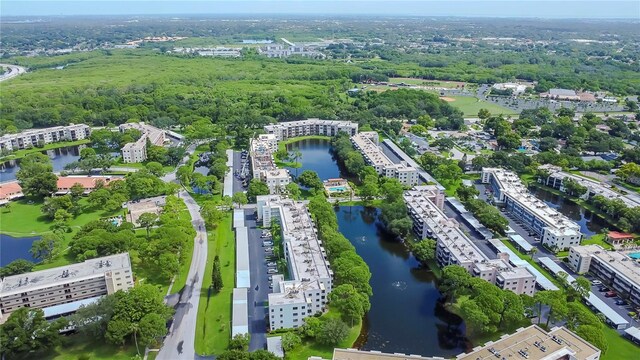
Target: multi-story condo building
[37,137]
[557,178]
[290,49]
[291,129]
[135,152]
[556,230]
[455,248]
[615,269]
[367,143]
[311,281]
[71,284]
[263,165]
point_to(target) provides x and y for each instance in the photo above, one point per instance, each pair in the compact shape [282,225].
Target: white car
[272,271]
[596,282]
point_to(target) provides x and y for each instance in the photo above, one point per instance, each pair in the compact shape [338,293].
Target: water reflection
[60,157]
[15,248]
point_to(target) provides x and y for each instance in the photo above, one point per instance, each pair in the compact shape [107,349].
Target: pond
[590,223]
[15,248]
[406,315]
[60,157]
[316,156]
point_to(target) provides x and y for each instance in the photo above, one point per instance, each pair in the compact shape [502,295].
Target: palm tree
[533,251]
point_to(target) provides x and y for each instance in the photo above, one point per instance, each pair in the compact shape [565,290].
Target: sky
[462,8]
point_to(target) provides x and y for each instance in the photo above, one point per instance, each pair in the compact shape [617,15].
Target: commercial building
[307,291]
[66,284]
[367,143]
[615,269]
[557,180]
[453,246]
[39,137]
[263,165]
[556,230]
[291,129]
[516,88]
[534,343]
[136,152]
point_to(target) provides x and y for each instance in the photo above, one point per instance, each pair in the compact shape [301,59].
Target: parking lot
[240,169]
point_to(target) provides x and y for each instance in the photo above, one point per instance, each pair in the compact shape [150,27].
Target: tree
[155,168]
[211,214]
[45,248]
[466,193]
[239,342]
[256,188]
[509,141]
[240,198]
[16,267]
[454,280]
[53,204]
[310,179]
[61,221]
[533,251]
[594,335]
[548,143]
[147,220]
[293,190]
[483,114]
[369,189]
[290,340]
[475,317]
[93,319]
[261,354]
[332,332]
[168,264]
[36,175]
[234,355]
[76,191]
[184,174]
[27,330]
[312,327]
[152,328]
[424,250]
[351,303]
[216,275]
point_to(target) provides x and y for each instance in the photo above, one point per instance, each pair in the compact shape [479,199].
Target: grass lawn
[619,347]
[308,348]
[597,239]
[471,105]
[213,328]
[75,346]
[22,153]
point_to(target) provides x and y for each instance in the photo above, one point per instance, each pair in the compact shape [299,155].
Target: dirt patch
[447,99]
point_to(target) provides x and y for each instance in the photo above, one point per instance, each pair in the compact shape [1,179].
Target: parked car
[610,294]
[603,289]
[596,282]
[270,277]
[272,263]
[621,302]
[272,271]
[268,249]
[267,243]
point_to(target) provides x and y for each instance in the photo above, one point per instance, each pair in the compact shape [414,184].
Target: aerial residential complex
[70,285]
[615,269]
[307,293]
[557,177]
[368,144]
[291,129]
[263,165]
[136,152]
[555,229]
[532,343]
[39,137]
[455,248]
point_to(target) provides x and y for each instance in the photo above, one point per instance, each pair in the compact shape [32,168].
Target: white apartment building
[307,292]
[263,165]
[291,129]
[136,152]
[455,248]
[556,230]
[367,143]
[32,138]
[71,284]
[284,51]
[615,269]
[557,177]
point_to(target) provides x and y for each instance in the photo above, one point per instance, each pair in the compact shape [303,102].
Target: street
[14,70]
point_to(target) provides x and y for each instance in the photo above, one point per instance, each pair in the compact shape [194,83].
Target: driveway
[259,291]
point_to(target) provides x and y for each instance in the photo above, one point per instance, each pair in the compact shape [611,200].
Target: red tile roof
[9,189]
[619,235]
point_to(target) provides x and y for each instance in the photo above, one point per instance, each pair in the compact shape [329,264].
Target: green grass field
[423,82]
[470,106]
[78,346]
[213,328]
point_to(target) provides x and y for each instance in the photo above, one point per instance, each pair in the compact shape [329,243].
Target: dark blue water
[405,315]
[59,158]
[15,248]
[590,223]
[316,156]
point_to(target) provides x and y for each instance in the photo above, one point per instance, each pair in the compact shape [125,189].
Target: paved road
[259,280]
[14,70]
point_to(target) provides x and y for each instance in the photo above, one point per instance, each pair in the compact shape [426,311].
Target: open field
[429,83]
[80,347]
[213,328]
[470,106]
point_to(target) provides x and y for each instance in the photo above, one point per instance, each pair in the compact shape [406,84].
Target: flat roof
[274,346]
[243,274]
[35,280]
[522,243]
[238,218]
[608,312]
[240,312]
[370,150]
[555,268]
[536,344]
[425,176]
[634,332]
[287,124]
[354,354]
[517,261]
[625,267]
[68,307]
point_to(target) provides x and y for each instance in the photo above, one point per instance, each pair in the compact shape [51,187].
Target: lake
[406,315]
[15,248]
[316,156]
[60,157]
[590,223]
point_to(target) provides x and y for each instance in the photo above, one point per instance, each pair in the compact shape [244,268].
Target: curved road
[14,70]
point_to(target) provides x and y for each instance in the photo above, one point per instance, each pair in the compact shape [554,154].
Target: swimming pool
[635,255]
[337,188]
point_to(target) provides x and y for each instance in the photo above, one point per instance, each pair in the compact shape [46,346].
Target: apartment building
[306,294]
[263,165]
[453,246]
[69,284]
[556,230]
[284,51]
[557,178]
[136,152]
[291,129]
[38,137]
[367,143]
[534,343]
[615,269]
